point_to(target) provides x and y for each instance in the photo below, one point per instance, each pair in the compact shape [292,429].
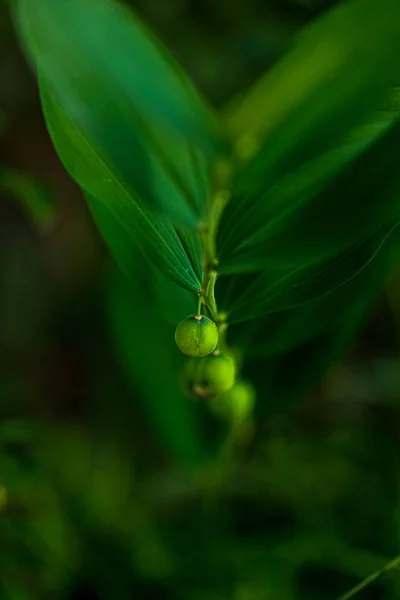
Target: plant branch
[393,564]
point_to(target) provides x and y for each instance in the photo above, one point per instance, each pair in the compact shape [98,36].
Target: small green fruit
[196,336]
[236,405]
[215,373]
[190,384]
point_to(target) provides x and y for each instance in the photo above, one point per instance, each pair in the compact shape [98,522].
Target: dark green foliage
[310,162]
[137,225]
[338,71]
[274,226]
[121,92]
[313,207]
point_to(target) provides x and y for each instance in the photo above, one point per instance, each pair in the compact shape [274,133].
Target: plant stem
[393,564]
[208,233]
[220,201]
[199,303]
[210,293]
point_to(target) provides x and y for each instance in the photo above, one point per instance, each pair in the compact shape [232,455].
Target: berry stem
[210,291]
[208,234]
[199,303]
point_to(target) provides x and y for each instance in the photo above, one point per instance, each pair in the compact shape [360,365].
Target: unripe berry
[215,373]
[191,386]
[236,405]
[196,336]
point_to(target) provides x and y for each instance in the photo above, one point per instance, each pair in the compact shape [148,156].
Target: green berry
[236,405]
[196,336]
[215,373]
[191,384]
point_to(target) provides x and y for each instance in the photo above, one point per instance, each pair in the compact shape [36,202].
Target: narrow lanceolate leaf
[281,332]
[131,229]
[306,340]
[318,209]
[321,170]
[131,103]
[275,290]
[124,222]
[316,241]
[322,209]
[337,72]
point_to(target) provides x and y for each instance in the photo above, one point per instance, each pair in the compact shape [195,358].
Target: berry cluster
[211,373]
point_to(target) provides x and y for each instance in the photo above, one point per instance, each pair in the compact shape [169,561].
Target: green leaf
[33,197]
[277,290]
[154,237]
[324,158]
[124,222]
[337,72]
[303,342]
[317,227]
[281,332]
[307,206]
[138,117]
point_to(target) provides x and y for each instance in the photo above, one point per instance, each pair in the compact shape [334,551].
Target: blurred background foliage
[112,485]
